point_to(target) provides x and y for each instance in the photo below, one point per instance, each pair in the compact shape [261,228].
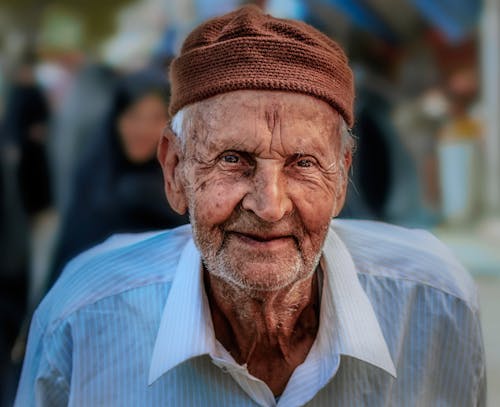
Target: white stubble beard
[221,264]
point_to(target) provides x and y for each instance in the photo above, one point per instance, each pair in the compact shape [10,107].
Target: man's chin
[259,276]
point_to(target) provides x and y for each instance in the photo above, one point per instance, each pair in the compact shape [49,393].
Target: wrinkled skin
[261,174]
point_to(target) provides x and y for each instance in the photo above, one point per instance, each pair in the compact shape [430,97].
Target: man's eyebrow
[227,143]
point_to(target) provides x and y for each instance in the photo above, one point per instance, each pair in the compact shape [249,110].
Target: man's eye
[305,163]
[230,158]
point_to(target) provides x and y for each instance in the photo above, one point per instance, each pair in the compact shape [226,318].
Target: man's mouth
[264,240]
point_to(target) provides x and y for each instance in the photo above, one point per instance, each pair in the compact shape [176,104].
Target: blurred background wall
[427,124]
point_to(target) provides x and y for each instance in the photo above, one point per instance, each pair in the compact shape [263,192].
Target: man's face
[262,175]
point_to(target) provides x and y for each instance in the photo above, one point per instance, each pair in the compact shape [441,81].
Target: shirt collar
[346,315]
[346,310]
[186,329]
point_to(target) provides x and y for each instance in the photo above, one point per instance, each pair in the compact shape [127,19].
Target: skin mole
[247,173]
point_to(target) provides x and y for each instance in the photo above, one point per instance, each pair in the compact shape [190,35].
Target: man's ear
[342,193]
[170,157]
[347,162]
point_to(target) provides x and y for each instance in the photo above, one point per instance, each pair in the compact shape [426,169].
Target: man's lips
[264,241]
[262,238]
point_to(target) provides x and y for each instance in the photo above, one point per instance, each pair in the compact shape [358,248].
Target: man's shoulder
[381,250]
[121,263]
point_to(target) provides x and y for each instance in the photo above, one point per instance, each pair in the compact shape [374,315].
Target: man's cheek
[215,206]
[317,208]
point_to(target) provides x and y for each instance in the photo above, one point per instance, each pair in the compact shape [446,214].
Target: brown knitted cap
[247,49]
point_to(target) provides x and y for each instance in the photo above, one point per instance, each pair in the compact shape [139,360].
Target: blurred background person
[25,197]
[460,138]
[26,125]
[383,179]
[79,116]
[118,186]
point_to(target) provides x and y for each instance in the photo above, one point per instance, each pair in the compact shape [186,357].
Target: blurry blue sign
[455,18]
[211,8]
[362,15]
[295,9]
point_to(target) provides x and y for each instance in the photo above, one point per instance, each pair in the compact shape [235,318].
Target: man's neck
[269,331]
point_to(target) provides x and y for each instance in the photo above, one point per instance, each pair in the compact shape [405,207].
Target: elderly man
[263,300]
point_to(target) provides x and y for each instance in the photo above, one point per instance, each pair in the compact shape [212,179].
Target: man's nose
[268,195]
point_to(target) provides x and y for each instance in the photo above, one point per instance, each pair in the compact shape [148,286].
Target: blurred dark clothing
[383,183]
[24,191]
[13,219]
[13,270]
[372,174]
[26,120]
[110,193]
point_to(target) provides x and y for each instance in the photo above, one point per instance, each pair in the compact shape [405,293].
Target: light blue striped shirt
[128,324]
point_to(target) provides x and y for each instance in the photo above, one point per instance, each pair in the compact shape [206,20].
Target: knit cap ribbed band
[247,49]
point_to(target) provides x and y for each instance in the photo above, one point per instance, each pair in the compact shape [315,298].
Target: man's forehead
[235,107]
[242,119]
